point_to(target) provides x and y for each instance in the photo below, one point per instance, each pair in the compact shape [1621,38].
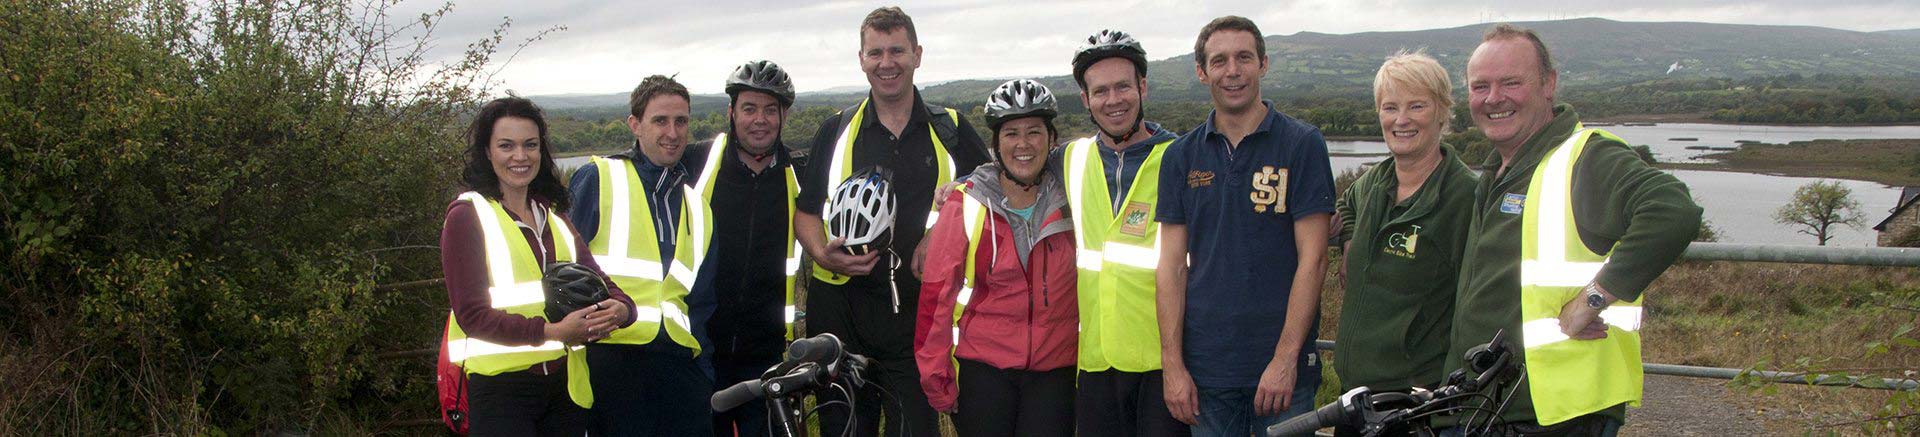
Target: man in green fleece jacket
[1632,219]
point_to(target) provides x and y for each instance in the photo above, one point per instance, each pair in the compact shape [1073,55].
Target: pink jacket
[1021,317]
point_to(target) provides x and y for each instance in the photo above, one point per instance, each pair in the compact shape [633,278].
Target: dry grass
[1741,314]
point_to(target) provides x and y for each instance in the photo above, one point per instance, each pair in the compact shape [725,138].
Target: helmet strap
[1132,128]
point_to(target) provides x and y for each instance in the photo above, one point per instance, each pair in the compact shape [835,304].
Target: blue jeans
[1229,411]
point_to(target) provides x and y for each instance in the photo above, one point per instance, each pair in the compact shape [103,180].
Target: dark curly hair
[478,175]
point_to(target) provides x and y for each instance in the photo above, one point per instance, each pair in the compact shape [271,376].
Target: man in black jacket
[869,301]
[748,181]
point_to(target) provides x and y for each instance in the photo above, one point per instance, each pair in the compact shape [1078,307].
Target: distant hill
[613,105]
[1591,53]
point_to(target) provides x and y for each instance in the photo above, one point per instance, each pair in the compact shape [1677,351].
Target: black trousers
[747,420]
[522,404]
[866,322]
[1117,403]
[656,389]
[998,402]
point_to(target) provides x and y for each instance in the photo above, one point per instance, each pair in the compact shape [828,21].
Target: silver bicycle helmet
[763,76]
[1106,44]
[1019,98]
[862,211]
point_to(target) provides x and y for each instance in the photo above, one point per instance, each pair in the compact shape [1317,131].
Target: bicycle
[1489,366]
[813,365]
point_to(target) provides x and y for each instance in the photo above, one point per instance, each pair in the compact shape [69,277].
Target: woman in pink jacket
[998,318]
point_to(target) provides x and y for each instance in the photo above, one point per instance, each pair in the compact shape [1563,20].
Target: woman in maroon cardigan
[509,164]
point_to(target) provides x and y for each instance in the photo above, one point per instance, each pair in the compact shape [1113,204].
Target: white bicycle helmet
[862,211]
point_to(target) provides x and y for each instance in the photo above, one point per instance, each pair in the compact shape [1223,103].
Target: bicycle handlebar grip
[822,349]
[738,394]
[1306,424]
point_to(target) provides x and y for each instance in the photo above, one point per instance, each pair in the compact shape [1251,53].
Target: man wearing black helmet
[1112,190]
[746,178]
[869,301]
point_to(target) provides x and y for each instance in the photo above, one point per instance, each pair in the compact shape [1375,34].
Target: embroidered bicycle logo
[1403,244]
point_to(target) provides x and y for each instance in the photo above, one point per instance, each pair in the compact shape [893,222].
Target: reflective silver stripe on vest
[500,260]
[680,272]
[1552,269]
[1542,332]
[971,214]
[619,260]
[462,349]
[629,267]
[793,262]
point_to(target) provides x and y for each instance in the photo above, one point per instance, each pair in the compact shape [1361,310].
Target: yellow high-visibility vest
[1117,249]
[704,185]
[974,215]
[627,250]
[1570,378]
[513,286]
[841,167]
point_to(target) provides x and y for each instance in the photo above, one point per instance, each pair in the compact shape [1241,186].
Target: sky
[608,46]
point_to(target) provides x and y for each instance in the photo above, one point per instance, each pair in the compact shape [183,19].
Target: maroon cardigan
[463,259]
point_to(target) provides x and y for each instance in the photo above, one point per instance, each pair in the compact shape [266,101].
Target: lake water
[1740,205]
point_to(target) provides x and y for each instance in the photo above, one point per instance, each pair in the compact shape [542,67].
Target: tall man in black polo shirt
[745,177]
[869,301]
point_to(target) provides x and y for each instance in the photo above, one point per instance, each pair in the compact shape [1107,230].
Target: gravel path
[1676,406]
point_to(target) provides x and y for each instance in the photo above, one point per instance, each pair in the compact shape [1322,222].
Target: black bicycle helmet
[763,76]
[862,211]
[570,287]
[1106,44]
[1019,98]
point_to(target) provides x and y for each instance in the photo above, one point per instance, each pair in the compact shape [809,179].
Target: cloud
[610,46]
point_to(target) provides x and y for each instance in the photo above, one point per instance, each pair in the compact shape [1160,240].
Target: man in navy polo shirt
[1244,201]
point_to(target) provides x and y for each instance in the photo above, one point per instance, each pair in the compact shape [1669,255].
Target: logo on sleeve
[1269,190]
[1514,203]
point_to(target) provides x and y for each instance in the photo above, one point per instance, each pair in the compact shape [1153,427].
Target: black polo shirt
[910,158]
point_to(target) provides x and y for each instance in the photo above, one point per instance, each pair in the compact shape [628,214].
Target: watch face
[1594,300]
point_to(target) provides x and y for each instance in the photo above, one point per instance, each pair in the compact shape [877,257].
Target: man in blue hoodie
[1112,187]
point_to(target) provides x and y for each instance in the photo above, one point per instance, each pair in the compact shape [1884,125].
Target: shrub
[201,199]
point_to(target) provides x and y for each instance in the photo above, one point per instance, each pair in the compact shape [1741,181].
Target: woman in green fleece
[1404,224]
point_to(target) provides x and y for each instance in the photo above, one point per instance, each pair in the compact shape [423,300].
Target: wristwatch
[1595,299]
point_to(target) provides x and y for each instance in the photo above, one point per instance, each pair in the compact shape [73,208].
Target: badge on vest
[1269,190]
[1134,219]
[1513,203]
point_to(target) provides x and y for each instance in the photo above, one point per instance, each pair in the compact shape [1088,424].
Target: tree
[1816,207]
[201,199]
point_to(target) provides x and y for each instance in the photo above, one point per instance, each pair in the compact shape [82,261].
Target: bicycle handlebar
[1361,407]
[1327,415]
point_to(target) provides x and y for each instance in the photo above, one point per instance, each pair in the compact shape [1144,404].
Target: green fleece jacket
[1646,216]
[1401,266]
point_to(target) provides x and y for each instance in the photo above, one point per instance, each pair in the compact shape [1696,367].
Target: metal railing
[1856,256]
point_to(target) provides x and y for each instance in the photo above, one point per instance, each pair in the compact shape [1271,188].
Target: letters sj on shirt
[1269,190]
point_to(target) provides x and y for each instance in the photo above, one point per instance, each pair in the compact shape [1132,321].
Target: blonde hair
[1416,71]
